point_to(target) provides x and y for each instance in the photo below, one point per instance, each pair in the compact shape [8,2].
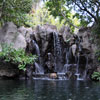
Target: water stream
[77,68]
[38,67]
[57,52]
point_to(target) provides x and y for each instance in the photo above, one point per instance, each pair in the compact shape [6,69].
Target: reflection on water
[48,90]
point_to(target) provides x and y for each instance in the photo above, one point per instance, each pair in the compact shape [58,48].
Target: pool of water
[49,90]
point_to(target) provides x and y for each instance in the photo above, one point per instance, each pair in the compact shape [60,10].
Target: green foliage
[14,10]
[96,76]
[86,11]
[97,54]
[42,16]
[96,29]
[59,9]
[9,54]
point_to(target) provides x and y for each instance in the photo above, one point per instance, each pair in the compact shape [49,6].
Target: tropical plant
[96,76]
[19,57]
[97,55]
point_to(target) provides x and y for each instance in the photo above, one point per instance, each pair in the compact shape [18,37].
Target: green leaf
[19,57]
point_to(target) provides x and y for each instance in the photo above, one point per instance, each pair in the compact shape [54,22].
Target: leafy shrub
[96,76]
[97,55]
[19,57]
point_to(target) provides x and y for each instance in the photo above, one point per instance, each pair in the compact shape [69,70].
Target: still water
[49,90]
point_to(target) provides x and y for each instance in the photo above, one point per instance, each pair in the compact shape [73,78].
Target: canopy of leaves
[14,10]
[96,76]
[42,16]
[86,10]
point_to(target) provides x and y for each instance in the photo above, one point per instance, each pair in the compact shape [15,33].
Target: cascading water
[77,67]
[38,67]
[65,64]
[37,49]
[65,68]
[57,52]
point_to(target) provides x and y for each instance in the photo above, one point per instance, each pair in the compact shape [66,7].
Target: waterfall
[66,59]
[65,67]
[38,67]
[57,45]
[57,52]
[37,48]
[77,67]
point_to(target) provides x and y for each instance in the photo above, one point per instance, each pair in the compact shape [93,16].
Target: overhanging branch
[85,9]
[68,20]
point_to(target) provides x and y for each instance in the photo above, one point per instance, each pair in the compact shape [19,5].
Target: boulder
[8,70]
[65,32]
[20,42]
[43,34]
[49,64]
[26,32]
[85,33]
[9,34]
[88,45]
[7,73]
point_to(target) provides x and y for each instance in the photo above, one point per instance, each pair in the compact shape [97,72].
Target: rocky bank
[60,53]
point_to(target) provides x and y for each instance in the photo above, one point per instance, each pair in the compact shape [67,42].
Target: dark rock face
[49,63]
[62,52]
[8,70]
[59,53]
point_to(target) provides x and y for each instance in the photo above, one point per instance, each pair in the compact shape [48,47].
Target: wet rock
[8,70]
[49,64]
[43,35]
[7,73]
[29,71]
[43,32]
[64,49]
[65,32]
[85,33]
[56,51]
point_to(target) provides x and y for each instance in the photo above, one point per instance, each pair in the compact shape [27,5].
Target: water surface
[49,90]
